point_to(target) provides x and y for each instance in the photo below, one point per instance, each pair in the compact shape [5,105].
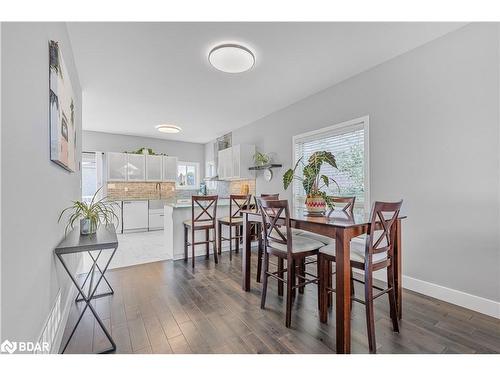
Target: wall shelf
[265,166]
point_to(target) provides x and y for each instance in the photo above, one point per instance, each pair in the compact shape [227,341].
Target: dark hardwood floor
[165,307]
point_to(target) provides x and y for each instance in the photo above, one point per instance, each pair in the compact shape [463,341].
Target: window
[348,142]
[188,175]
[89,176]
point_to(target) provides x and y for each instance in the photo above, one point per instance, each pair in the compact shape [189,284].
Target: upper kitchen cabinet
[169,168]
[136,167]
[117,166]
[154,167]
[235,161]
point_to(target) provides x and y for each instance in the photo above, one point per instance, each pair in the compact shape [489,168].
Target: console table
[74,242]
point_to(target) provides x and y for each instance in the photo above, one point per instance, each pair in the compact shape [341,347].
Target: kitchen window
[188,175]
[348,141]
[89,176]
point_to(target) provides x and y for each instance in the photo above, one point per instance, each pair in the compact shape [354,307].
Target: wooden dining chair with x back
[369,253]
[201,221]
[237,203]
[279,242]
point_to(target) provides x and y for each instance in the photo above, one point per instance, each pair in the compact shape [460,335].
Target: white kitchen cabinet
[235,161]
[116,166]
[154,167]
[135,215]
[136,167]
[169,168]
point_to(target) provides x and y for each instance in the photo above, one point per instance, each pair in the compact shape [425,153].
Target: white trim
[365,120]
[64,320]
[197,167]
[443,293]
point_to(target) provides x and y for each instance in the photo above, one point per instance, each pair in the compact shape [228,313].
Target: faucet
[158,187]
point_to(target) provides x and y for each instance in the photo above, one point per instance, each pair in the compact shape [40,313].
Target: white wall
[434,141]
[34,189]
[107,142]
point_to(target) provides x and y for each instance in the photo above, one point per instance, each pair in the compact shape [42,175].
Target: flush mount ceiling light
[231,58]
[171,129]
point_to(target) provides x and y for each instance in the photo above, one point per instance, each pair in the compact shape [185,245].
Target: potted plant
[261,159]
[91,214]
[313,182]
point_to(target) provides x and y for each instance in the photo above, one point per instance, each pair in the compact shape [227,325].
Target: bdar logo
[8,347]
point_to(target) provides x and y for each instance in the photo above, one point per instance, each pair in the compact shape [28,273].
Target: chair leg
[392,298]
[302,270]
[352,287]
[280,274]
[329,296]
[318,273]
[192,245]
[290,283]
[185,243]
[230,242]
[264,284]
[323,284]
[207,247]
[370,319]
[259,259]
[219,232]
[214,242]
[237,240]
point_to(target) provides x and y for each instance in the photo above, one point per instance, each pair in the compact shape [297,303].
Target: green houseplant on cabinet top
[313,182]
[91,214]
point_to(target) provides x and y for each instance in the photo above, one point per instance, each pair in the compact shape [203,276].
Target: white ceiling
[138,75]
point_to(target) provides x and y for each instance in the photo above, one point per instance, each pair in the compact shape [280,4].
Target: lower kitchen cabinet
[135,215]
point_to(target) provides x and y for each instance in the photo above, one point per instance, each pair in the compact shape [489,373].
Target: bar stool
[234,219]
[369,253]
[204,221]
[279,241]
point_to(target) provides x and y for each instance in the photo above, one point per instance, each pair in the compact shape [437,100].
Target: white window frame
[194,164]
[365,120]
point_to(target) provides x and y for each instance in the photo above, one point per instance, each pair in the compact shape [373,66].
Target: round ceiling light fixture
[231,58]
[170,129]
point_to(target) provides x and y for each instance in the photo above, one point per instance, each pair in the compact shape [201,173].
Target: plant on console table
[313,182]
[91,214]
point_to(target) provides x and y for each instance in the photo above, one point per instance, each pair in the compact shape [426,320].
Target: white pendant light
[231,58]
[170,129]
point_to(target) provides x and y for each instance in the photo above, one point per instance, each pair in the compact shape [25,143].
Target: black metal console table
[103,239]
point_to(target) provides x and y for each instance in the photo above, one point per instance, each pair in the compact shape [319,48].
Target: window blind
[347,145]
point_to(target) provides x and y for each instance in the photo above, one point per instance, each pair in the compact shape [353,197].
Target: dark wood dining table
[342,226]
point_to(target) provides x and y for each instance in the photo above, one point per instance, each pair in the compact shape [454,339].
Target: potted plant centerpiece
[313,182]
[91,214]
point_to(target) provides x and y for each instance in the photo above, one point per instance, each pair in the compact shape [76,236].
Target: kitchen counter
[220,202]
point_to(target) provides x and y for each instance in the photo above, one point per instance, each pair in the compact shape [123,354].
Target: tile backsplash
[149,190]
[140,190]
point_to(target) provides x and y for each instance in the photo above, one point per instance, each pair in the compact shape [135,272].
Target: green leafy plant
[141,151]
[261,159]
[97,211]
[312,181]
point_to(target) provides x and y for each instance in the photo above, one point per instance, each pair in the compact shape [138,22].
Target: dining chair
[369,253]
[203,221]
[237,203]
[260,252]
[348,201]
[280,242]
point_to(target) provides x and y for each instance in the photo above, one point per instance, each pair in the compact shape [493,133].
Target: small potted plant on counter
[313,182]
[91,215]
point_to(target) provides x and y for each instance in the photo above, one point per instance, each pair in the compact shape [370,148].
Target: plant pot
[315,206]
[86,227]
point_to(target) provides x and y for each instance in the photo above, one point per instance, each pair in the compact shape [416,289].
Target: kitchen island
[174,216]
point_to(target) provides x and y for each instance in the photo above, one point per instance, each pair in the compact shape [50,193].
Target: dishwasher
[135,215]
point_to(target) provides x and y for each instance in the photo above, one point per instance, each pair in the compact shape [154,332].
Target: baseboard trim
[56,345]
[456,297]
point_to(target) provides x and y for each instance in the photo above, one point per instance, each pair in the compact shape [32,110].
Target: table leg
[88,300]
[78,299]
[343,292]
[398,270]
[246,256]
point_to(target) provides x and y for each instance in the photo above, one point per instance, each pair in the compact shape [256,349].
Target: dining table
[342,226]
